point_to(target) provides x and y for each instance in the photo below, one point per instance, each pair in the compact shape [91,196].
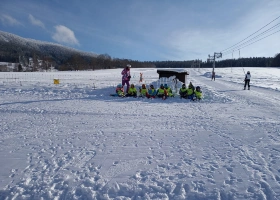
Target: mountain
[13,46]
[34,55]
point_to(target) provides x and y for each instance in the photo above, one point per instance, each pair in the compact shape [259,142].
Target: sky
[148,30]
[73,141]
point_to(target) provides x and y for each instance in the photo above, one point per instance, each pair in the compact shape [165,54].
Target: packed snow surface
[74,141]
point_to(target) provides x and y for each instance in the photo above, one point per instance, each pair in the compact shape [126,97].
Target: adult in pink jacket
[126,77]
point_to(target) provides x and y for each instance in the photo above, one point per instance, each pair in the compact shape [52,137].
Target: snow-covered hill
[74,141]
[46,48]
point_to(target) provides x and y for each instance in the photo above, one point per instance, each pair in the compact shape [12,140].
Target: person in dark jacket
[213,75]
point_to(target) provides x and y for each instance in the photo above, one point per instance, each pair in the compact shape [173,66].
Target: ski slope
[74,141]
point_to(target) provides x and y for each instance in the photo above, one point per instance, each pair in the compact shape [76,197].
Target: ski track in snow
[78,143]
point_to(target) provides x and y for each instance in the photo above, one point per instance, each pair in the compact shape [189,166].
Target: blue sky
[146,30]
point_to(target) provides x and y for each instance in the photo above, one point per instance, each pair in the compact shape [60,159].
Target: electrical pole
[231,59]
[196,63]
[240,62]
[213,59]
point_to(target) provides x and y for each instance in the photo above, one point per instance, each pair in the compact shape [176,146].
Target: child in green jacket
[132,92]
[197,93]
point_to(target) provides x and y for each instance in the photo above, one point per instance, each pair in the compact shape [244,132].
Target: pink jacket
[126,74]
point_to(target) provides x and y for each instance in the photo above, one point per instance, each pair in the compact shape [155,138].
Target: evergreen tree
[276,61]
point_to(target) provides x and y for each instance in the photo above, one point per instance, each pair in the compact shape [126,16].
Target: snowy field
[74,141]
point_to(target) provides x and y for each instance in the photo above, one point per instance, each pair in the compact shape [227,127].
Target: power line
[250,35]
[257,36]
[255,41]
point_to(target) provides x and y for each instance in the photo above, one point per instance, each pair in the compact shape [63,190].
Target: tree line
[68,60]
[33,56]
[241,62]
[103,61]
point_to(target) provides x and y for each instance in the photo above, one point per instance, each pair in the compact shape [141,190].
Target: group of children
[164,91]
[193,93]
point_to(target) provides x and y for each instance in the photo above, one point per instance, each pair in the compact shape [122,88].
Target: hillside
[16,49]
[13,46]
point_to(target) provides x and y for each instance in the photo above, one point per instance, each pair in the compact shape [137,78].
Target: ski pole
[243,70]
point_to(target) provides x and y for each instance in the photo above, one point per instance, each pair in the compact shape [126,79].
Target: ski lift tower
[213,58]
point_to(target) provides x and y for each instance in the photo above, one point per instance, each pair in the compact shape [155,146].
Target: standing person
[126,77]
[213,75]
[141,77]
[247,80]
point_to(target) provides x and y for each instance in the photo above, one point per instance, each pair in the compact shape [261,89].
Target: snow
[74,141]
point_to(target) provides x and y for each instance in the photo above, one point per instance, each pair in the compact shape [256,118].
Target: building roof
[173,70]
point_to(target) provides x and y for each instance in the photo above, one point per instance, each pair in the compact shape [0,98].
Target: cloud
[36,22]
[65,35]
[190,44]
[8,20]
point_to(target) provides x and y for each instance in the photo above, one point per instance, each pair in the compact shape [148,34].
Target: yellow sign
[55,81]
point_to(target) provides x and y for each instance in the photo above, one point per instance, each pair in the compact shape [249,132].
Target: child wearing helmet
[169,91]
[143,91]
[151,92]
[132,92]
[183,92]
[197,93]
[247,80]
[161,92]
[190,91]
[120,91]
[191,86]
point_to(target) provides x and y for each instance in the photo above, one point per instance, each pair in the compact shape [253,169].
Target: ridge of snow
[37,44]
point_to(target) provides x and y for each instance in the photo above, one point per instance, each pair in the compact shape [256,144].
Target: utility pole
[196,63]
[213,58]
[240,59]
[231,59]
